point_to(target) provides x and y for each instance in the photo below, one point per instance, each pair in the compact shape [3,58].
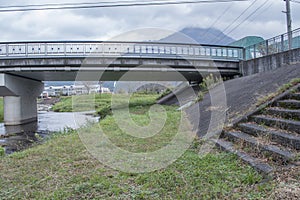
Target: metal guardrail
[120,49]
[49,49]
[274,45]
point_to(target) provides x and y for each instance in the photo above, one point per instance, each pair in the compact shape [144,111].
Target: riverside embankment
[62,168]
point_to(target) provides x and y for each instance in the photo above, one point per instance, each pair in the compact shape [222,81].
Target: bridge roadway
[60,61]
[24,65]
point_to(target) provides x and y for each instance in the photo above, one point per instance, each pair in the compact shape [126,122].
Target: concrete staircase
[270,138]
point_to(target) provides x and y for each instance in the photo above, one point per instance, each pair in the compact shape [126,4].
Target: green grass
[62,168]
[2,151]
[102,102]
[140,116]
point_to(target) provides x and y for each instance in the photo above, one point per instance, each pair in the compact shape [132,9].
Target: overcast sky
[105,23]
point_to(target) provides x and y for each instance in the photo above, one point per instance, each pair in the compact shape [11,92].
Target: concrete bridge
[24,65]
[61,61]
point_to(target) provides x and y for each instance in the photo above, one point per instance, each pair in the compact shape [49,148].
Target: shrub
[210,82]
[2,151]
[104,111]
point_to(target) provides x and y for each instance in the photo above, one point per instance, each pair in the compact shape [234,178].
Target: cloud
[104,23]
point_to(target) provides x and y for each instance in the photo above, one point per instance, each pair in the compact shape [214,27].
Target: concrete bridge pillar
[20,94]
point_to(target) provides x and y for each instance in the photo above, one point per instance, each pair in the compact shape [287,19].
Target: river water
[16,138]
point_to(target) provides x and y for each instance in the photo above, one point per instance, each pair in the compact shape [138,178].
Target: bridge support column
[20,94]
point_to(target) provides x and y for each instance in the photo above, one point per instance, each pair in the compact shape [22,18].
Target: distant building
[68,90]
[247,41]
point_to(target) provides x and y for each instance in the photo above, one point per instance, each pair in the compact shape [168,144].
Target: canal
[16,138]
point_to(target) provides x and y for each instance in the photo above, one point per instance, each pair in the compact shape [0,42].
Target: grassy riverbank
[62,168]
[101,103]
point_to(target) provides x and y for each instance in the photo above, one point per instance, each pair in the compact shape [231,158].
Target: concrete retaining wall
[270,62]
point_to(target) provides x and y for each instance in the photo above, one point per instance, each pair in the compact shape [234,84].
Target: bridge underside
[122,75]
[113,69]
[21,79]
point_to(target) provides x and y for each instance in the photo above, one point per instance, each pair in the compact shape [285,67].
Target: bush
[104,111]
[210,82]
[200,96]
[2,151]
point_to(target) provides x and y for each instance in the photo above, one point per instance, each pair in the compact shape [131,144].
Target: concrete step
[254,162]
[289,103]
[283,113]
[295,96]
[260,146]
[281,137]
[290,125]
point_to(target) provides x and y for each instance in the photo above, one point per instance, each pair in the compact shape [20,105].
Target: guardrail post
[244,54]
[267,47]
[227,53]
[46,48]
[297,43]
[282,42]
[7,50]
[26,49]
[65,49]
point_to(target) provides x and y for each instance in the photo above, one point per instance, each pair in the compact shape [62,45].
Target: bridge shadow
[17,138]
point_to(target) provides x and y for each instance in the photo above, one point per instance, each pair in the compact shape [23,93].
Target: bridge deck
[62,60]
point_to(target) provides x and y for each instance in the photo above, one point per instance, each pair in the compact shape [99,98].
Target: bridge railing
[274,45]
[118,49]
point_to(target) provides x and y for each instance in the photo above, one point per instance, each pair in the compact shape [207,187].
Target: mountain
[200,36]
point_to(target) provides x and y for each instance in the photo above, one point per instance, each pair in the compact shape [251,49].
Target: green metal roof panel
[247,41]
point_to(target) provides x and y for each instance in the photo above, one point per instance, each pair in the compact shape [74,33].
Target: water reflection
[16,138]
